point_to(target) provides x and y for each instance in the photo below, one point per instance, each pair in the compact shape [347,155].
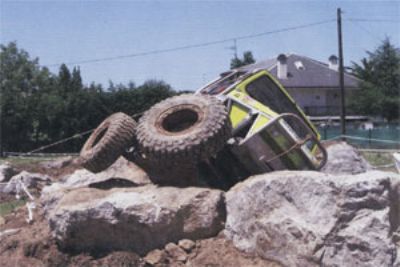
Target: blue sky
[73,31]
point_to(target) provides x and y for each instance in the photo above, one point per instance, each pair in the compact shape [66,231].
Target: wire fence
[383,137]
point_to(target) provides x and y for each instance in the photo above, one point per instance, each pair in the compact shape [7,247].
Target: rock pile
[289,218]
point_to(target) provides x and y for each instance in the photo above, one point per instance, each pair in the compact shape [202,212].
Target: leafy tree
[76,80]
[247,59]
[20,80]
[133,100]
[380,86]
[39,108]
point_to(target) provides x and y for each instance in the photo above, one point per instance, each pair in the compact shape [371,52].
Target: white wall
[309,96]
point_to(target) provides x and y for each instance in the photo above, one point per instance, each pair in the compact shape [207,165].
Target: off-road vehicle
[241,124]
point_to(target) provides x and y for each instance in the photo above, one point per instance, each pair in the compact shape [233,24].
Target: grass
[9,206]
[23,162]
[15,161]
[380,159]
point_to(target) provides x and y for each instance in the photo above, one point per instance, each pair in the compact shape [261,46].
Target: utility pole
[234,48]
[1,125]
[341,76]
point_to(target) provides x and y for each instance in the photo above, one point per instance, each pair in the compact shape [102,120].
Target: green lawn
[9,206]
[15,161]
[380,159]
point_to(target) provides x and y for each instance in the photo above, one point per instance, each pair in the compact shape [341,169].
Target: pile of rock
[293,218]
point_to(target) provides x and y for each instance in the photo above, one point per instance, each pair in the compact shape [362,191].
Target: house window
[299,65]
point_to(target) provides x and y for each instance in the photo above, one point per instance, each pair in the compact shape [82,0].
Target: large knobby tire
[108,142]
[185,128]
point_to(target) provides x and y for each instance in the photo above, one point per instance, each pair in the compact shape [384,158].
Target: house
[313,84]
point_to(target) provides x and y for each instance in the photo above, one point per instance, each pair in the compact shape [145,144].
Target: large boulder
[315,219]
[121,174]
[122,171]
[139,219]
[345,159]
[57,163]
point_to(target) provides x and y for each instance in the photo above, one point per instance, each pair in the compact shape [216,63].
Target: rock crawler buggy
[238,125]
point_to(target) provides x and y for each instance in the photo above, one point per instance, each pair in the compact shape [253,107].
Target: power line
[153,52]
[373,20]
[374,36]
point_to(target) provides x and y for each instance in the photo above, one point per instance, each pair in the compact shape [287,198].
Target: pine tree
[247,59]
[380,89]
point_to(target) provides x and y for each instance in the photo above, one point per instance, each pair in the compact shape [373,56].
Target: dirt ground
[32,245]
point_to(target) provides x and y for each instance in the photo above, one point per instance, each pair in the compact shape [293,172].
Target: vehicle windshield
[221,84]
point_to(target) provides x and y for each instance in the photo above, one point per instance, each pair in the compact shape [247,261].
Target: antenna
[234,48]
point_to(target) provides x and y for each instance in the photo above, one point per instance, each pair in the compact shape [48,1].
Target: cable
[75,136]
[373,20]
[160,51]
[61,141]
[374,36]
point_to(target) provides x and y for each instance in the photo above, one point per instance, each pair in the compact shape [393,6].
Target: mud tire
[185,128]
[107,142]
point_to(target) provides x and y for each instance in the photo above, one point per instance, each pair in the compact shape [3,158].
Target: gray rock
[315,219]
[345,159]
[121,174]
[176,252]
[123,171]
[155,256]
[58,163]
[6,172]
[187,244]
[139,218]
[9,232]
[30,180]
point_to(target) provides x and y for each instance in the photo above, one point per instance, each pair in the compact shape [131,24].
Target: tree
[76,80]
[21,78]
[247,59]
[132,100]
[38,108]
[380,86]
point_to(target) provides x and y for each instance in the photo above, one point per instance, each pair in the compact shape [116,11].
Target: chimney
[282,66]
[333,62]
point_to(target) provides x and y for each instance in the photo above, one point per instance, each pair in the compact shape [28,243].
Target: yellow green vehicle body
[270,131]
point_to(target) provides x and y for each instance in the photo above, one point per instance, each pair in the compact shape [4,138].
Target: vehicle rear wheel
[108,142]
[185,128]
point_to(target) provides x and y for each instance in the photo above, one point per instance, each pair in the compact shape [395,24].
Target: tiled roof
[315,74]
